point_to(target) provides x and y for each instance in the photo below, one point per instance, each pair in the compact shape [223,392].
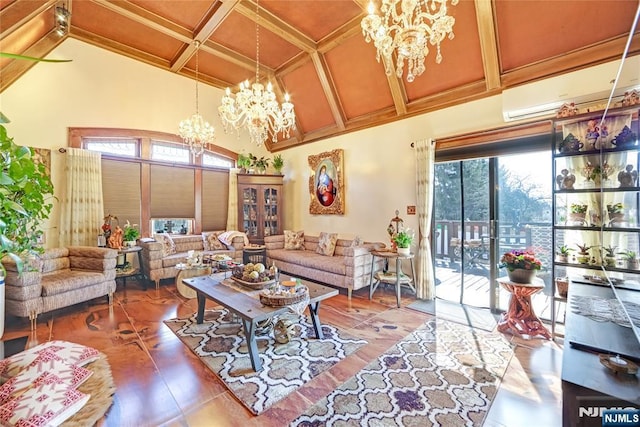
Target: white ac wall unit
[584,88]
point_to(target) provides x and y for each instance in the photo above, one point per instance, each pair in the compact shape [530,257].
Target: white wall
[103,89]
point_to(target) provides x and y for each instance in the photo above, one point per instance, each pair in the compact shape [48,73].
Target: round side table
[520,319]
[254,254]
[187,271]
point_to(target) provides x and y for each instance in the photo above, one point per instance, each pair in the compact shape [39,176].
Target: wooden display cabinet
[260,206]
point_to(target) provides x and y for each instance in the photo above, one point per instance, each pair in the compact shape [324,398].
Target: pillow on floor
[168,247]
[327,243]
[294,240]
[211,241]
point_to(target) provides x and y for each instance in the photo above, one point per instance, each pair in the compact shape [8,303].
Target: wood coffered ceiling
[315,51]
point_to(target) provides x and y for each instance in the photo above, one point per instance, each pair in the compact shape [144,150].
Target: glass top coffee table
[247,306]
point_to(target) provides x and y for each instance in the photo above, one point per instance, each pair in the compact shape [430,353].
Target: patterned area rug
[442,374]
[220,344]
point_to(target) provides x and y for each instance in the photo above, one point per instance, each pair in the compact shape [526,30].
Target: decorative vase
[520,275]
[130,243]
[404,251]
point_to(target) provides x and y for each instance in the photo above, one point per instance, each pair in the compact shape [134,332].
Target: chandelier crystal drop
[407,27]
[195,131]
[256,107]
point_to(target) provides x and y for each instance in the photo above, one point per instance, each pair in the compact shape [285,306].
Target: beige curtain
[425,275]
[81,206]
[232,213]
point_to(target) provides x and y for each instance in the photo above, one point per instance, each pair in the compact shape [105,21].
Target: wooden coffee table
[247,306]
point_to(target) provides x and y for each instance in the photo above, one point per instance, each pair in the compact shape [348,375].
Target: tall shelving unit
[595,200]
[260,206]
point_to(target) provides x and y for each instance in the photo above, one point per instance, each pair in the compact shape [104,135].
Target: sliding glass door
[483,208]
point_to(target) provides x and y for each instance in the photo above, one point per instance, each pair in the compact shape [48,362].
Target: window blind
[215,197]
[172,192]
[121,190]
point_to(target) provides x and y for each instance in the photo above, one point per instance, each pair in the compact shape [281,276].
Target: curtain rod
[62,150]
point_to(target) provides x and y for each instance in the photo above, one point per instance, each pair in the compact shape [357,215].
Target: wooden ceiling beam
[16,68]
[4,12]
[398,93]
[328,88]
[277,26]
[488,43]
[215,16]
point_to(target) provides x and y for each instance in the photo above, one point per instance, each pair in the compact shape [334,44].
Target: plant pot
[520,275]
[562,286]
[562,258]
[129,243]
[583,259]
[576,218]
[404,251]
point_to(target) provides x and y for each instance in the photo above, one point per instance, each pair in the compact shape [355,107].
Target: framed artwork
[326,183]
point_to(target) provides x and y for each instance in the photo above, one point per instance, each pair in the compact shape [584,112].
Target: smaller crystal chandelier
[256,108]
[195,131]
[408,31]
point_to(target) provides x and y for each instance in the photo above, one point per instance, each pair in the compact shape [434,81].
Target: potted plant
[244,162]
[629,259]
[130,234]
[403,240]
[563,253]
[25,189]
[278,163]
[577,213]
[616,213]
[583,253]
[261,164]
[609,255]
[521,265]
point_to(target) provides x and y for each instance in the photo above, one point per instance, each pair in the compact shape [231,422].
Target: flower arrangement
[131,233]
[515,259]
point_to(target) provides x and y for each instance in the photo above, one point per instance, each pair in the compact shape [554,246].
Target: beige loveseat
[58,278]
[349,267]
[159,259]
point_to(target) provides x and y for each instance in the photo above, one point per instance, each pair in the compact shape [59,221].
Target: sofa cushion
[294,240]
[211,242]
[168,247]
[327,243]
[357,241]
[66,280]
[310,260]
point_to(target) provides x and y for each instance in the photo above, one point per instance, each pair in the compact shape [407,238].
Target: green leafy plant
[404,238]
[578,208]
[131,233]
[564,250]
[25,191]
[244,162]
[615,208]
[261,163]
[609,251]
[278,163]
[583,249]
[628,255]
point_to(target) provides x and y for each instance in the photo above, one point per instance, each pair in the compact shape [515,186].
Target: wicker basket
[562,286]
[254,285]
[284,299]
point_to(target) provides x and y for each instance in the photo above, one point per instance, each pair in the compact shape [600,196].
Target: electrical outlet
[411,210]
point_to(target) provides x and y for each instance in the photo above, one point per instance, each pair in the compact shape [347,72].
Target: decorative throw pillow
[294,240]
[211,241]
[357,241]
[327,243]
[168,247]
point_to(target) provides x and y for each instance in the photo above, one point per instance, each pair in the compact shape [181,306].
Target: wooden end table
[122,274]
[520,319]
[396,278]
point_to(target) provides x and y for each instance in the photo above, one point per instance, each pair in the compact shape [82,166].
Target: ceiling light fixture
[62,17]
[255,108]
[195,131]
[406,27]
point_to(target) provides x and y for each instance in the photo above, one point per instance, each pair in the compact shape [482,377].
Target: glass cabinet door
[271,225]
[250,211]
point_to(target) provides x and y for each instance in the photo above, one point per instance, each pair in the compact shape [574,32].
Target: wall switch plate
[411,210]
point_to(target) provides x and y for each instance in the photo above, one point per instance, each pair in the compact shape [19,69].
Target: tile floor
[160,382]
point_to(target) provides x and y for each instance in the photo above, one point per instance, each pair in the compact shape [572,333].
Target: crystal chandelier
[195,131]
[257,109]
[407,27]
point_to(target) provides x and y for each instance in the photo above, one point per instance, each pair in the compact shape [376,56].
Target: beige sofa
[159,263]
[58,278]
[349,267]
